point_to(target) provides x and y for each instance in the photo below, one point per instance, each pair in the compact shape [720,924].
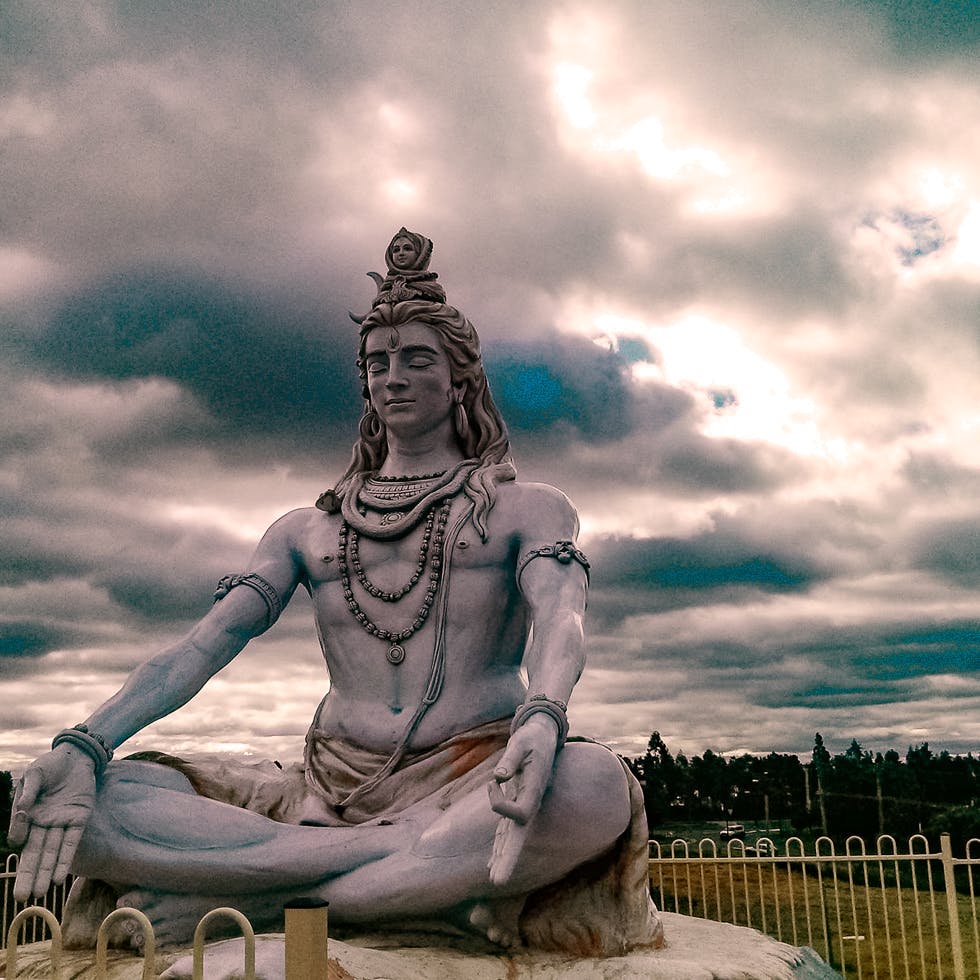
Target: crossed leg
[176,855]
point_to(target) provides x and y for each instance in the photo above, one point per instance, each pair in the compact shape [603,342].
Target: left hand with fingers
[51,807]
[517,789]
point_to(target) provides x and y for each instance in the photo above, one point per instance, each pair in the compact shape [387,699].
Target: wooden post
[949,873]
[306,939]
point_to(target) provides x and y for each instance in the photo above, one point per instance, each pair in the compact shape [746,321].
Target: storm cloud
[725,265]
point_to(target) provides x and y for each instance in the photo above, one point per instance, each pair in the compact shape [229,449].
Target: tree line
[854,793]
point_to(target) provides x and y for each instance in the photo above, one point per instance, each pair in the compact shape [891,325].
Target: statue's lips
[396,402]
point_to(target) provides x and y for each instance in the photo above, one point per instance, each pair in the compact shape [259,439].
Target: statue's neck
[420,456]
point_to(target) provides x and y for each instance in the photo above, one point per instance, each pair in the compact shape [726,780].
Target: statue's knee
[591,777]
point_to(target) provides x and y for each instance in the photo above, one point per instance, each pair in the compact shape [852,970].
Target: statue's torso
[486,625]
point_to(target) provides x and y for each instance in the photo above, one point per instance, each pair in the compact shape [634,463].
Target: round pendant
[396,653]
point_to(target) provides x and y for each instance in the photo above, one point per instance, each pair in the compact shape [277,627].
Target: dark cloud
[709,466]
[919,28]
[939,474]
[258,367]
[30,639]
[707,561]
[734,563]
[950,549]
[557,379]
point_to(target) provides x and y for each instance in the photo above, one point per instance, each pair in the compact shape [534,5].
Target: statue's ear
[458,392]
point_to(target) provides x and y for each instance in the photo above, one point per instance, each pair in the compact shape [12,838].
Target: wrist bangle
[541,703]
[91,743]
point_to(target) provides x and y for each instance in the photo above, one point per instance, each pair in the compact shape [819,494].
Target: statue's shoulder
[537,505]
[294,526]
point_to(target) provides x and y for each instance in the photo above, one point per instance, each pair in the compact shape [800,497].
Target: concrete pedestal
[696,950]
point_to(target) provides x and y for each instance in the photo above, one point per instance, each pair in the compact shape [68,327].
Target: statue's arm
[173,676]
[553,578]
[55,796]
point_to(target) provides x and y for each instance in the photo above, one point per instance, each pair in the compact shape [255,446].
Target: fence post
[12,939]
[247,932]
[306,939]
[149,942]
[949,875]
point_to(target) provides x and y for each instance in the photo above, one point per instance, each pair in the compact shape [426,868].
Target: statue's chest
[336,553]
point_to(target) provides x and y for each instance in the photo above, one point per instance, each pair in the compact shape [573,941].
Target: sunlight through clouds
[926,224]
[749,396]
[966,249]
[230,520]
[662,156]
[600,129]
[22,271]
[570,86]
[661,159]
[725,264]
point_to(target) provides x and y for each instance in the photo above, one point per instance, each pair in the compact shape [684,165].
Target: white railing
[305,936]
[34,928]
[887,915]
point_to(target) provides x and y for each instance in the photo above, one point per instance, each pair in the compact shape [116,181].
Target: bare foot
[175,917]
[88,903]
[498,919]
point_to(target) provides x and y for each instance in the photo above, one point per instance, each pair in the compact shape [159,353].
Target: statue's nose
[397,377]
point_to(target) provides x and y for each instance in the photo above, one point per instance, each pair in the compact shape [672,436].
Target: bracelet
[91,743]
[273,604]
[564,552]
[541,703]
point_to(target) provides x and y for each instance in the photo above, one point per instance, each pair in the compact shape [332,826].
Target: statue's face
[403,253]
[409,380]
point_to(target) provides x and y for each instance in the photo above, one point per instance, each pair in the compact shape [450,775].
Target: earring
[462,422]
[371,427]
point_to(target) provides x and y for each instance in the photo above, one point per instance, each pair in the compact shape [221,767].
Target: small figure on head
[407,258]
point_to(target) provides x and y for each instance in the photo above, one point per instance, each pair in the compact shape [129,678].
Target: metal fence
[887,915]
[34,928]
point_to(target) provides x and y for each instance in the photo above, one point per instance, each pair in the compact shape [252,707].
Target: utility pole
[881,802]
[823,803]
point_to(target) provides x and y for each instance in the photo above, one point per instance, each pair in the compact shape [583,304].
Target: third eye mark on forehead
[409,350]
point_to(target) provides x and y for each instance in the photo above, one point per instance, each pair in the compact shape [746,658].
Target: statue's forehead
[412,334]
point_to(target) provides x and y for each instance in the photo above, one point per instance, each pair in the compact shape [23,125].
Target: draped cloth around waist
[309,792]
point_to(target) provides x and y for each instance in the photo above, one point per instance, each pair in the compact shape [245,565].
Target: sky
[724,259]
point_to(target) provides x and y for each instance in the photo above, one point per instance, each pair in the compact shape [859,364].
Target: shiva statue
[438,784]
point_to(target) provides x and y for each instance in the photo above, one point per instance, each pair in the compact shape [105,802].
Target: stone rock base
[696,949]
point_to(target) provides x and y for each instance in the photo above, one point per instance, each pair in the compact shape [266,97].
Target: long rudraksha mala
[354,561]
[430,554]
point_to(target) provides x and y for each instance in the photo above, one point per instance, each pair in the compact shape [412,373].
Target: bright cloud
[767,217]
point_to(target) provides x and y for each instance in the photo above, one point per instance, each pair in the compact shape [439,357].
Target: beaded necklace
[430,552]
[354,560]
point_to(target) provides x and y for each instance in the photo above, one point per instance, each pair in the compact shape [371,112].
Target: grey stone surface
[696,949]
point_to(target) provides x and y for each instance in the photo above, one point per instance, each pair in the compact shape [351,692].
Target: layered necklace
[401,504]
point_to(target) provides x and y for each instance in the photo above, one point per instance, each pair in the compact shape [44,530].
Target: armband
[541,703]
[273,603]
[91,743]
[562,551]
